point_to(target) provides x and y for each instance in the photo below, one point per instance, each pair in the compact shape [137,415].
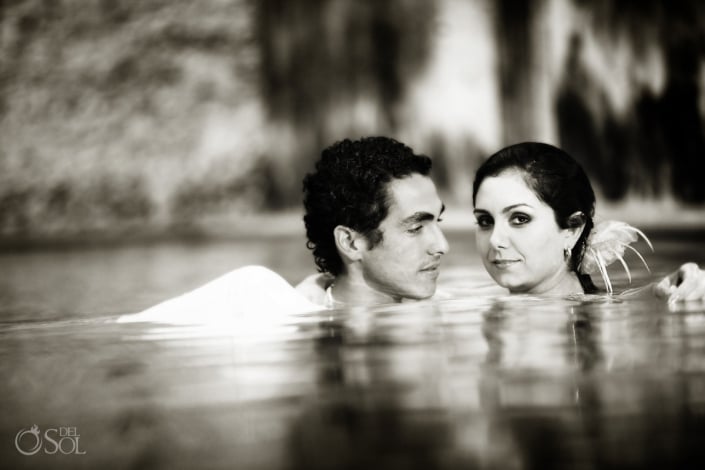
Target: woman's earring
[566,253]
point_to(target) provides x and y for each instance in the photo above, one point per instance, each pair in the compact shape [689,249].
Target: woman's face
[521,245]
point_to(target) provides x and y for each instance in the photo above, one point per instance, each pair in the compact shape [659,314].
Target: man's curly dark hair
[349,188]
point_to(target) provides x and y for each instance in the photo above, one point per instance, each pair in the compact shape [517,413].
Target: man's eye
[520,219]
[416,229]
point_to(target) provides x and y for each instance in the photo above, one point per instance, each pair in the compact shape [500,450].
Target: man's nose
[439,243]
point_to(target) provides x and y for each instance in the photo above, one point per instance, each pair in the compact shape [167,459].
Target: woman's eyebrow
[514,206]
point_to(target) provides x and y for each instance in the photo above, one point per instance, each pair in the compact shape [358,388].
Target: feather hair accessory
[606,244]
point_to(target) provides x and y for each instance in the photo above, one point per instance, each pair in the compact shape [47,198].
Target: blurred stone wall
[120,114]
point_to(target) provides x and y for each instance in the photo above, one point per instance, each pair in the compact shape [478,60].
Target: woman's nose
[498,238]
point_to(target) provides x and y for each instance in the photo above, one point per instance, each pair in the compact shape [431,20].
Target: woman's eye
[416,229]
[484,222]
[520,219]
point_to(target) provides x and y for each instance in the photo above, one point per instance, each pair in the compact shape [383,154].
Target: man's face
[405,264]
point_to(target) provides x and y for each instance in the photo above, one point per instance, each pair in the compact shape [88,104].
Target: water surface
[477,381]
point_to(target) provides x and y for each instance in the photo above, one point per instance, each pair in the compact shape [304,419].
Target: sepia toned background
[186,127]
[141,117]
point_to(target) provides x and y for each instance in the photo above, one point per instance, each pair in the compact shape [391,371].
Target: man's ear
[576,224]
[350,243]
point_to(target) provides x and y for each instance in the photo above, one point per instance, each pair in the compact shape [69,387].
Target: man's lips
[431,267]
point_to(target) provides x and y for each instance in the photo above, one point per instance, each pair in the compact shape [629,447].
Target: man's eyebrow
[418,217]
[422,216]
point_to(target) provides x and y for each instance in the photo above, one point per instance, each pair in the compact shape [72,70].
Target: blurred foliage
[659,145]
[123,115]
[315,59]
[318,60]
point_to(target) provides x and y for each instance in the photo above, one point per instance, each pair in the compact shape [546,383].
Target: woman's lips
[504,263]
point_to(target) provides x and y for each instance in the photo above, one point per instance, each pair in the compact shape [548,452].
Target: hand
[686,284]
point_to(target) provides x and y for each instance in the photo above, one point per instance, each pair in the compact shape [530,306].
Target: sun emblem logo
[33,431]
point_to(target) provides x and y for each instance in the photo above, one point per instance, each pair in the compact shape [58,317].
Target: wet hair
[557,180]
[349,188]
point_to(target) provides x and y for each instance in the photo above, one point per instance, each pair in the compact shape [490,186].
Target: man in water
[372,215]
[372,221]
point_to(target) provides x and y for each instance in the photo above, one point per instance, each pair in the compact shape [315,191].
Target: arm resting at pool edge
[683,285]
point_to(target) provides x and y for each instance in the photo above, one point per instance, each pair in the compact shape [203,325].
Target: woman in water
[535,208]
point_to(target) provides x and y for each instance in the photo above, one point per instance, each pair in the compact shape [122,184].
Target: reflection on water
[478,381]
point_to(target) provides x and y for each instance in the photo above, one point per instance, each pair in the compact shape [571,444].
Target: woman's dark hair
[556,179]
[349,188]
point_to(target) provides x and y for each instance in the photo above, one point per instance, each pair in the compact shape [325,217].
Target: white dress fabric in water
[250,293]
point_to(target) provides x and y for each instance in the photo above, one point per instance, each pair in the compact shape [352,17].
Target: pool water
[476,381]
